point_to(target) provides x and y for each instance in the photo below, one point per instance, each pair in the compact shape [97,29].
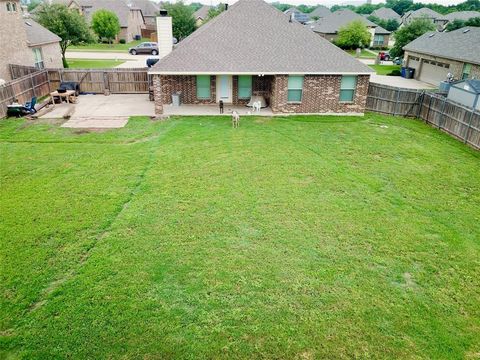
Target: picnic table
[69,95]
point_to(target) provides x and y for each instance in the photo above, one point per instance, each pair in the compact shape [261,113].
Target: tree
[454,25]
[105,24]
[33,4]
[195,6]
[353,35]
[473,22]
[215,11]
[399,6]
[410,32]
[68,24]
[390,25]
[183,21]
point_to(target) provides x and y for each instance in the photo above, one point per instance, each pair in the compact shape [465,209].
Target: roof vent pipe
[163,12]
[226,6]
[292,17]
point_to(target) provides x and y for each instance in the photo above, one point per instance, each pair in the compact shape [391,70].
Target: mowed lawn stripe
[286,238]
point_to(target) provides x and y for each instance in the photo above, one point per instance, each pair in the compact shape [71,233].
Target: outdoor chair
[29,107]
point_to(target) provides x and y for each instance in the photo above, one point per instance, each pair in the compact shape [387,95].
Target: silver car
[150,48]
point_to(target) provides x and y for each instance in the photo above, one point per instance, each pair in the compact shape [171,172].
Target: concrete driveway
[398,81]
[131,61]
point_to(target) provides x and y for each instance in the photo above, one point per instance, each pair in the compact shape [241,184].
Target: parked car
[384,56]
[397,61]
[144,48]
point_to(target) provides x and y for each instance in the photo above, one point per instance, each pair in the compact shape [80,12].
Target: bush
[395,72]
[122,41]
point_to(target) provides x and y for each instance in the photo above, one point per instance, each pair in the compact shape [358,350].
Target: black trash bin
[409,72]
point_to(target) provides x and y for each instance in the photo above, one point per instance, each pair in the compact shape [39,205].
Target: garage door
[413,62]
[434,72]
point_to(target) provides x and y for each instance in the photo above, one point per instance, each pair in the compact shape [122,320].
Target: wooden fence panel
[18,71]
[455,119]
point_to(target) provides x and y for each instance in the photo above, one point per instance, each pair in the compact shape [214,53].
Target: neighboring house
[423,13]
[442,21]
[295,70]
[329,26]
[297,15]
[201,15]
[386,14]
[130,17]
[149,9]
[435,54]
[25,42]
[319,13]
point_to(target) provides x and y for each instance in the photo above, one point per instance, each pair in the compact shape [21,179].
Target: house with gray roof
[201,15]
[386,14]
[129,15]
[443,21]
[329,26]
[150,11]
[435,54]
[28,43]
[289,67]
[319,12]
[423,13]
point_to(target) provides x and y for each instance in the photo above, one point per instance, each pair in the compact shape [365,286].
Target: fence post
[419,110]
[467,135]
[442,114]
[33,85]
[396,102]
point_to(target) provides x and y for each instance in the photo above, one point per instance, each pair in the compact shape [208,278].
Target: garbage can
[176,99]
[409,73]
[402,71]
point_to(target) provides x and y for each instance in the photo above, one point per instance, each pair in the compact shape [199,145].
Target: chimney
[164,34]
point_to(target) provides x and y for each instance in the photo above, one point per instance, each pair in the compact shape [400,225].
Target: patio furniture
[30,106]
[256,98]
[19,110]
[69,95]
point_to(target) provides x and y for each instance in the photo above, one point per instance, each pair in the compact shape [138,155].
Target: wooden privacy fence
[100,81]
[453,118]
[23,89]
[18,71]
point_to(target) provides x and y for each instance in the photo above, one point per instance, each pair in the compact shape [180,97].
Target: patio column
[157,94]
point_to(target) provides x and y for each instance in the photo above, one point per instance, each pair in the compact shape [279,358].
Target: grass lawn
[363,54]
[106,47]
[384,69]
[93,63]
[296,237]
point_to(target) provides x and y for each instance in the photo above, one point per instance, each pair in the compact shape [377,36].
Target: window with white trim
[378,40]
[295,88]
[347,88]
[467,68]
[38,58]
[203,87]
[244,86]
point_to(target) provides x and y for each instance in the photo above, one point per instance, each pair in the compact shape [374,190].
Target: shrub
[395,72]
[122,41]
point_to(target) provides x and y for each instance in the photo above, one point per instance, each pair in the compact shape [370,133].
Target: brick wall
[52,55]
[320,95]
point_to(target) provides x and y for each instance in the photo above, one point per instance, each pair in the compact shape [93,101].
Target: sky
[330,2]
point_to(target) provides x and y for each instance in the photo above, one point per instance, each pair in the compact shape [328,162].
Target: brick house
[25,42]
[293,69]
[435,54]
[329,26]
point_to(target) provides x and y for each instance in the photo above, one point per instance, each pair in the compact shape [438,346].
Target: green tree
[473,22]
[390,25]
[399,6]
[215,11]
[195,6]
[408,33]
[281,6]
[105,24]
[454,25]
[68,24]
[183,21]
[353,35]
[33,4]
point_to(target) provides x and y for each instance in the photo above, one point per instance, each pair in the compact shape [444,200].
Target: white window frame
[38,58]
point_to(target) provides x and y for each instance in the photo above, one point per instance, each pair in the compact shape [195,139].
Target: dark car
[150,48]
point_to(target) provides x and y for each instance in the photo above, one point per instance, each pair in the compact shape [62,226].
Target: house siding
[52,55]
[321,93]
[456,67]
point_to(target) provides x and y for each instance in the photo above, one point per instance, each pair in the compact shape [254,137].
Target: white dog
[235,119]
[256,106]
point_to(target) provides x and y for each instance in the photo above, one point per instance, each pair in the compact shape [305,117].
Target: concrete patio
[212,110]
[100,111]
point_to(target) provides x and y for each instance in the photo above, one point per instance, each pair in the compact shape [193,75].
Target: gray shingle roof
[119,7]
[38,35]
[460,15]
[459,45]
[320,11]
[298,15]
[149,8]
[230,44]
[423,12]
[332,23]
[385,13]
[202,13]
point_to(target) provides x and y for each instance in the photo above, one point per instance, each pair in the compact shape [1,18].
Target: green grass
[93,63]
[106,47]
[384,69]
[364,54]
[297,237]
